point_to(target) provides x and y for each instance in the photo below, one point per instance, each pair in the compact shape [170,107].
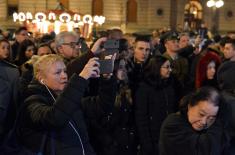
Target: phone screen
[106,66]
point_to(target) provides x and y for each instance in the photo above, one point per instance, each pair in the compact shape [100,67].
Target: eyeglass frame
[167,67]
[73,44]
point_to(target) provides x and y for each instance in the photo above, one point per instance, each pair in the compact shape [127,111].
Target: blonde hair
[43,63]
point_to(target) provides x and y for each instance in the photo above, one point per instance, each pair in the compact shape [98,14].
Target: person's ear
[42,81]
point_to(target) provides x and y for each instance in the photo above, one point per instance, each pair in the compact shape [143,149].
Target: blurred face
[29,51]
[56,77]
[184,41]
[229,51]
[4,50]
[165,70]
[44,50]
[70,49]
[172,45]
[22,36]
[141,51]
[211,70]
[202,115]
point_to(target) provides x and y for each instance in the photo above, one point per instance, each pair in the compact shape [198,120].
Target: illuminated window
[12,6]
[97,7]
[193,14]
[131,11]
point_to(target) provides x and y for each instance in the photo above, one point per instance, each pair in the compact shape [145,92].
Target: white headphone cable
[79,137]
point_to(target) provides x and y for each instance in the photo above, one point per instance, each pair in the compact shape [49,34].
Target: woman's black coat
[179,138]
[112,130]
[40,114]
[152,107]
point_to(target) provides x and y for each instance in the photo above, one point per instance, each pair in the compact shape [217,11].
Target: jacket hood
[201,68]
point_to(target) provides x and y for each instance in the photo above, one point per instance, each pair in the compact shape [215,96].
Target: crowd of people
[171,93]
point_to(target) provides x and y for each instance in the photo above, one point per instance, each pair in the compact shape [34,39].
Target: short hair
[43,45]
[22,28]
[114,33]
[202,94]
[231,41]
[4,40]
[45,62]
[46,38]
[224,40]
[59,40]
[142,38]
[184,34]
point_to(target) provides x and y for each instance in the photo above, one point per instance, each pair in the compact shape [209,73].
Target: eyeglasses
[167,67]
[73,44]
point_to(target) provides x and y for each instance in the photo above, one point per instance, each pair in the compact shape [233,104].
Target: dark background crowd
[152,77]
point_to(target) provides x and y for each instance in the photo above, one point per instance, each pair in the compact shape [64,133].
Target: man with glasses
[67,45]
[21,34]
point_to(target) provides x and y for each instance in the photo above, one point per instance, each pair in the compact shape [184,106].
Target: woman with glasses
[198,128]
[155,99]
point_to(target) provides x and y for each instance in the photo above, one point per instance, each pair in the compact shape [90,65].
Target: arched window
[65,3]
[131,11]
[193,14]
[97,7]
[12,6]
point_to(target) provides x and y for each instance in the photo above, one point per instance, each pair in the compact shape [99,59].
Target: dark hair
[4,40]
[46,38]
[142,38]
[224,40]
[22,28]
[202,94]
[115,34]
[21,58]
[152,71]
[43,45]
[231,41]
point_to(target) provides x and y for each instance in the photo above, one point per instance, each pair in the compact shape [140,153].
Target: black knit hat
[226,76]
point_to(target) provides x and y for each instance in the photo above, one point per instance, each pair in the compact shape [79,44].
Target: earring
[42,81]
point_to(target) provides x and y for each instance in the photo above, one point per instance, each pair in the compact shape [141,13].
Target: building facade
[132,15]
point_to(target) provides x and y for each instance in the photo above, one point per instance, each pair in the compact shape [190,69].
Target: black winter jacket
[43,115]
[152,107]
[179,138]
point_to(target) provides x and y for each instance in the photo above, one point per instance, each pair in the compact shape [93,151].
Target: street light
[215,3]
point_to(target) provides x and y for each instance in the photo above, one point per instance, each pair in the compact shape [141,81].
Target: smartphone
[106,66]
[111,44]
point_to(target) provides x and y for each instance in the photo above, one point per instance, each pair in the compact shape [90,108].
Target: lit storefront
[57,21]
